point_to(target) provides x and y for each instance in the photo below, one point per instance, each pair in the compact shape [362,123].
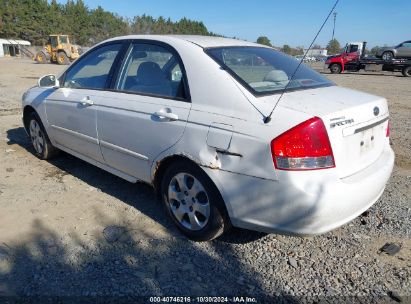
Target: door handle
[86,102]
[166,113]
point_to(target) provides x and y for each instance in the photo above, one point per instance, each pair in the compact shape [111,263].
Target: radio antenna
[268,118]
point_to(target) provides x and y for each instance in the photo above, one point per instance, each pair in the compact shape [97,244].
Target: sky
[292,22]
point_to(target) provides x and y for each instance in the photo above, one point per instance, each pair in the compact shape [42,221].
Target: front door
[352,53]
[404,50]
[146,112]
[71,109]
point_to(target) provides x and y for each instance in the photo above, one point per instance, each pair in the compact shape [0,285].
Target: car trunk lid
[356,122]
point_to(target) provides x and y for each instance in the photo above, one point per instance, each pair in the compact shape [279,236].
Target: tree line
[34,20]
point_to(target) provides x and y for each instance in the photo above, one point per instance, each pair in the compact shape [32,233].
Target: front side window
[265,71]
[92,70]
[53,41]
[352,48]
[153,70]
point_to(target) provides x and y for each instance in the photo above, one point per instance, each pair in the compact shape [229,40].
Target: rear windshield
[265,71]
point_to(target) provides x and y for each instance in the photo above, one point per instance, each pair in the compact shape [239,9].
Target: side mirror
[48,81]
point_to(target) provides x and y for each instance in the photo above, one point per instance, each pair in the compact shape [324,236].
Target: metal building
[11,47]
[316,52]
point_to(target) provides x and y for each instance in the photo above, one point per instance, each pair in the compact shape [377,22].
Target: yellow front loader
[58,50]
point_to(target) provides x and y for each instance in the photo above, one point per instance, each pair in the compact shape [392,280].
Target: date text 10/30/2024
[239,299]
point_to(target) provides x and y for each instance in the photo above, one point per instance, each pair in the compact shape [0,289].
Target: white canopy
[14,42]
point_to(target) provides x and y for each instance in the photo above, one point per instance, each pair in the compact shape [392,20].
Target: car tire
[62,58]
[43,148]
[193,202]
[406,71]
[387,56]
[335,68]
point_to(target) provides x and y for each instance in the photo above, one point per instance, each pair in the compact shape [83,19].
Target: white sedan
[188,115]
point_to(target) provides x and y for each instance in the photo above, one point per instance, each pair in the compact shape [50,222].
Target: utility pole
[335,17]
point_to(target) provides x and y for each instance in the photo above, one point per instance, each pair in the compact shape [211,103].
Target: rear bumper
[302,203]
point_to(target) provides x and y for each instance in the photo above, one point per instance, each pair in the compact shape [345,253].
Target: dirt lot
[52,217]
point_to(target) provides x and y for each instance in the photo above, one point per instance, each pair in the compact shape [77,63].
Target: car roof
[201,41]
[211,41]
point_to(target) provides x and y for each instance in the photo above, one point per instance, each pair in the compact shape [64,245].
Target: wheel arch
[27,111]
[393,53]
[161,166]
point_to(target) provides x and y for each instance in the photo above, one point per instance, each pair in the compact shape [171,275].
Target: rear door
[147,109]
[71,109]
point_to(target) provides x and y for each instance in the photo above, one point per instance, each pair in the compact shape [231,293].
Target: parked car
[306,59]
[181,114]
[403,50]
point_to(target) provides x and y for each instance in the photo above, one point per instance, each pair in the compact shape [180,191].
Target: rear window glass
[265,71]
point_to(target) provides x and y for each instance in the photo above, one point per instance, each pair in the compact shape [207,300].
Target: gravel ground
[70,230]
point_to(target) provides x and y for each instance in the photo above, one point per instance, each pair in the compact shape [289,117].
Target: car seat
[151,80]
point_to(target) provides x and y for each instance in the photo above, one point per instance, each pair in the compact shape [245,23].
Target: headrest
[276,76]
[150,73]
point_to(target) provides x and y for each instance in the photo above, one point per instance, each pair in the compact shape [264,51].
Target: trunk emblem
[376,111]
[341,123]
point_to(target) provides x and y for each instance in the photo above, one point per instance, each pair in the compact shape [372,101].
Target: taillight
[388,129]
[303,147]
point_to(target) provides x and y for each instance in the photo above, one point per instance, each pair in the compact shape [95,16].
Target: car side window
[92,70]
[152,69]
[406,44]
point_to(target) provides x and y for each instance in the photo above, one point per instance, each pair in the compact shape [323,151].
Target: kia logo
[376,111]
